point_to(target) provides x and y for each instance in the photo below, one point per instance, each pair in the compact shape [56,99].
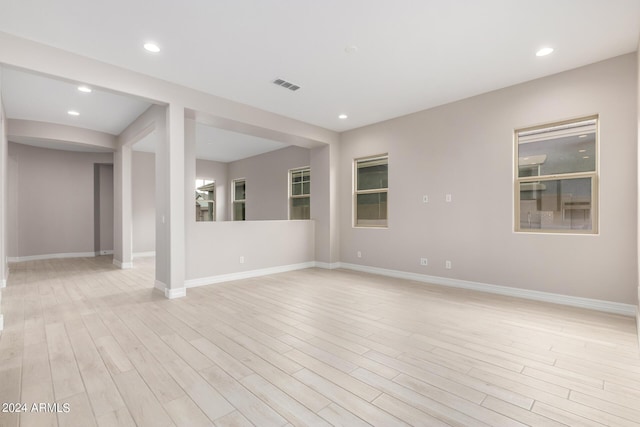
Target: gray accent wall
[466,149]
[53,191]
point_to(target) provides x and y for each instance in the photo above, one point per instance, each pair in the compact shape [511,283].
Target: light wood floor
[310,347]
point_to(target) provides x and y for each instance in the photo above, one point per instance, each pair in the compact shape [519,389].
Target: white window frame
[370,223]
[545,131]
[292,197]
[235,200]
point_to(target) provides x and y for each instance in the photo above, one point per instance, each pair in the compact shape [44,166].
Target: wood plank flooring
[305,348]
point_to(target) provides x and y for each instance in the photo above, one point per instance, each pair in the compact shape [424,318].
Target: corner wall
[466,149]
[267,180]
[42,225]
[143,195]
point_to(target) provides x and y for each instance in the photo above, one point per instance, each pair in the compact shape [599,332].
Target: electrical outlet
[424,261]
[359,254]
[447,265]
[241,260]
[425,199]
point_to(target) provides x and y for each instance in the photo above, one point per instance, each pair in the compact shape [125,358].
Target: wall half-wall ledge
[588,303]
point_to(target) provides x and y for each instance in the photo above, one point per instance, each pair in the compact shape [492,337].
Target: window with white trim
[370,191]
[205,200]
[239,197]
[556,177]
[300,193]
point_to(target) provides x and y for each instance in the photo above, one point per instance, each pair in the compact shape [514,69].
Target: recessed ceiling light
[585,157]
[73,113]
[584,135]
[544,51]
[85,89]
[342,116]
[582,151]
[152,47]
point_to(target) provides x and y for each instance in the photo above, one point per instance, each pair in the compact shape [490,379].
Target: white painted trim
[3,284]
[1,322]
[593,304]
[175,293]
[170,293]
[53,256]
[192,283]
[105,252]
[328,266]
[122,265]
[143,254]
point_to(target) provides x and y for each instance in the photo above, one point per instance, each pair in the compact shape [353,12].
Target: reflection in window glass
[371,187]
[560,204]
[239,199]
[557,177]
[300,190]
[205,200]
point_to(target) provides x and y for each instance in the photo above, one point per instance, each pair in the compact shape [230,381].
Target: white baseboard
[593,304]
[170,293]
[327,266]
[53,256]
[143,254]
[192,283]
[122,265]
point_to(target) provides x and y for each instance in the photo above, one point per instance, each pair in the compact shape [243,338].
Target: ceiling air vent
[286,84]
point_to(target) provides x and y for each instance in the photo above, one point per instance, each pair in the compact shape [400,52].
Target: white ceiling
[411,54]
[219,144]
[30,96]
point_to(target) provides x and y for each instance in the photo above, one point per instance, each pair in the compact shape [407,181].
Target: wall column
[324,204]
[170,210]
[122,205]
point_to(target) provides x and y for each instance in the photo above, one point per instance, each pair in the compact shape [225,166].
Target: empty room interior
[296,213]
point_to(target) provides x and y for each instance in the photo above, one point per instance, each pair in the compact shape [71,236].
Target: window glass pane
[372,174]
[551,151]
[371,208]
[306,187]
[296,189]
[563,204]
[205,200]
[300,208]
[239,193]
[238,211]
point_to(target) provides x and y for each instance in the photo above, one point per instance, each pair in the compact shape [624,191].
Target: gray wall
[4,241]
[143,194]
[466,149]
[638,163]
[54,194]
[267,181]
[103,209]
